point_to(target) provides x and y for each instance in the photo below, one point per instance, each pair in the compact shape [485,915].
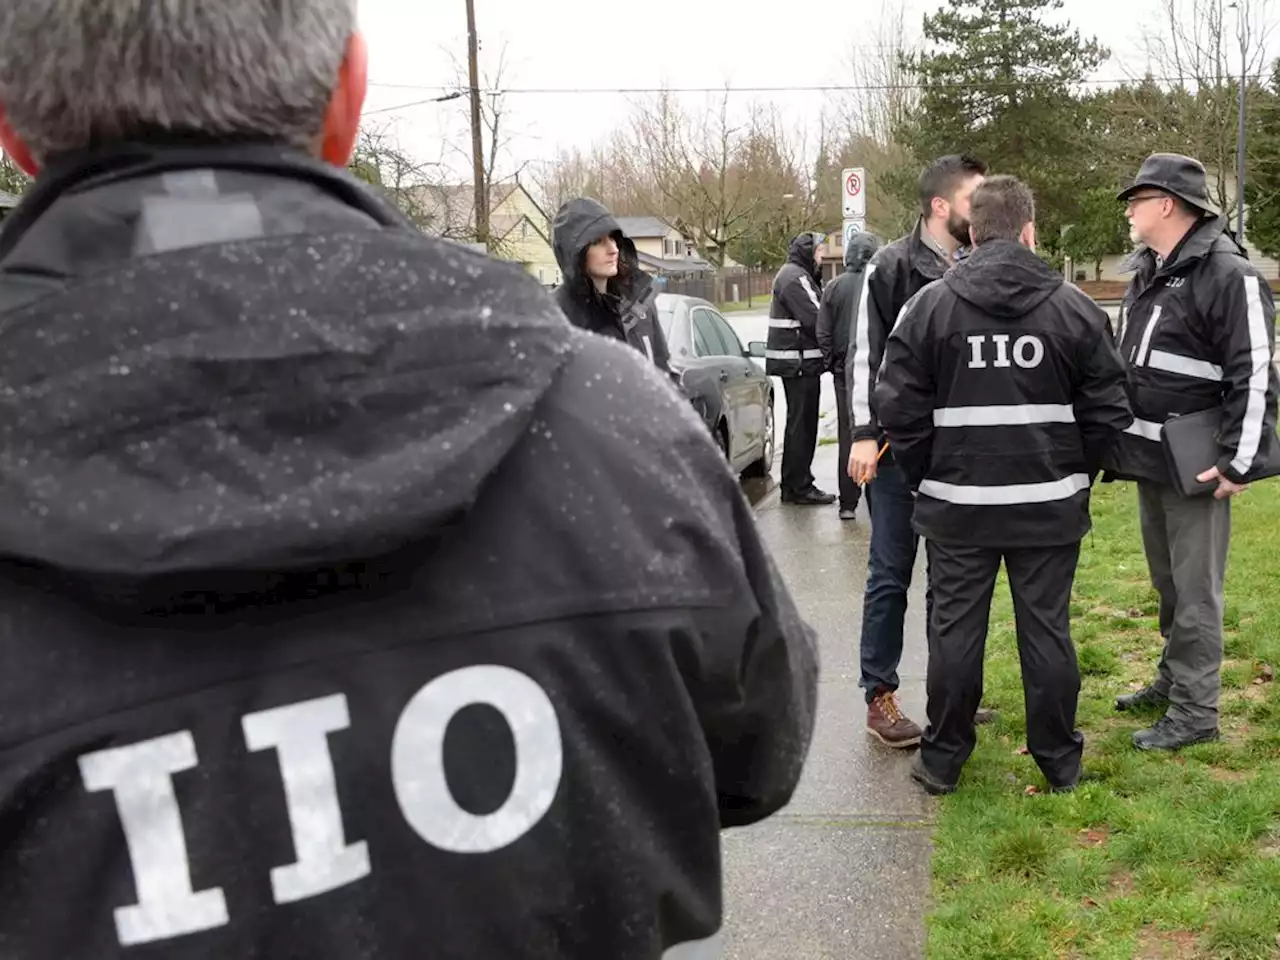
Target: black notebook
[1191,447]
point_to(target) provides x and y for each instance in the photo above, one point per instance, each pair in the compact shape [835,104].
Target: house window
[524,229]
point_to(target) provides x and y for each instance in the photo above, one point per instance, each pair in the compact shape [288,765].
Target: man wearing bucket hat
[1198,333]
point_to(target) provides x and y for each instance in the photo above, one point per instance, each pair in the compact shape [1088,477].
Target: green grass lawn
[1173,856]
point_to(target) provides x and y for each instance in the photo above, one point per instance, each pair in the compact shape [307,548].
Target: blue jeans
[889,566]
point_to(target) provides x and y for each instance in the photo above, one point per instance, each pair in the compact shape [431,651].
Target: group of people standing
[980,396]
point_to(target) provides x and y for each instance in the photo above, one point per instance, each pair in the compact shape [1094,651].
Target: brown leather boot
[886,722]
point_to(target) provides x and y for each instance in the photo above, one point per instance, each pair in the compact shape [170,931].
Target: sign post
[854,190]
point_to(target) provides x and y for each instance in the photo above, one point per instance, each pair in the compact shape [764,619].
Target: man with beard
[894,276]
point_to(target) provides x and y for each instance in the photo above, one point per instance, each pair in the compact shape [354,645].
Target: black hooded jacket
[895,274]
[793,349]
[840,302]
[626,311]
[322,631]
[1198,333]
[1000,392]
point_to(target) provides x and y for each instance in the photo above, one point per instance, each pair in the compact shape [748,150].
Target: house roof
[643,228]
[673,266]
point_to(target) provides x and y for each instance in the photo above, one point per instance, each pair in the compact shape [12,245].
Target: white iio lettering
[140,776]
[300,735]
[417,759]
[1028,351]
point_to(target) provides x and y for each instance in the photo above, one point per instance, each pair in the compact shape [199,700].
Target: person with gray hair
[330,620]
[1000,392]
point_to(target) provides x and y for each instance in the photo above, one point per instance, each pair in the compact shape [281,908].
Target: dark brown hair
[943,177]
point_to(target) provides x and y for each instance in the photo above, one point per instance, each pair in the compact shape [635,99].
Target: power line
[812,88]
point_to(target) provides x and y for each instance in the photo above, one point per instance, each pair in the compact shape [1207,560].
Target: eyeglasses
[1133,201]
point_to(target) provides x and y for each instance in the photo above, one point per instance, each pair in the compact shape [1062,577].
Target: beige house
[662,248]
[520,230]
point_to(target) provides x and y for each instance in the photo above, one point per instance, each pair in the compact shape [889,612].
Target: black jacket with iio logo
[352,603]
[1198,332]
[1000,393]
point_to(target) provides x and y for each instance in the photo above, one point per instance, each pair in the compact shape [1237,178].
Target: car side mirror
[756,348]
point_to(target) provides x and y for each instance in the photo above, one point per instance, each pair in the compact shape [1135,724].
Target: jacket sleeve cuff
[1235,476]
[866,432]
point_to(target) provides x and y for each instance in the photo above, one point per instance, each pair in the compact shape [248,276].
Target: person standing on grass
[835,319]
[793,354]
[1000,393]
[893,277]
[1198,333]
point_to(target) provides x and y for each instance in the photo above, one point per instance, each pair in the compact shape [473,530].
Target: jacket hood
[577,225]
[292,376]
[1003,278]
[860,251]
[801,252]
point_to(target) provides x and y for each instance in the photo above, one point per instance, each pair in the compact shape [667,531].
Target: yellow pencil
[880,455]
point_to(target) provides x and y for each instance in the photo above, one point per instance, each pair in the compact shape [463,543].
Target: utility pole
[1242,27]
[477,127]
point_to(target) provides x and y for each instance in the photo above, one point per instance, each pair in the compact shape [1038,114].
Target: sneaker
[1148,696]
[848,513]
[984,715]
[1169,734]
[886,722]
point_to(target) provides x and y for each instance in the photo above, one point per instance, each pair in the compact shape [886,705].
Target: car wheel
[764,466]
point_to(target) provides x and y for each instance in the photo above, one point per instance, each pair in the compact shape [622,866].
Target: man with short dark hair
[355,604]
[1198,334]
[1000,393]
[893,277]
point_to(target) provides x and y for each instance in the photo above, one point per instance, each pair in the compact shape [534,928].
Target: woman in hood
[604,289]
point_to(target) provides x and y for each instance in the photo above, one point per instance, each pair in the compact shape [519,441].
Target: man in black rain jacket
[352,603]
[1000,393]
[1198,334]
[794,355]
[835,320]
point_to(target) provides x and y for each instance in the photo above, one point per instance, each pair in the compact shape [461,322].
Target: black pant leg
[803,396]
[963,579]
[1040,580]
[850,492]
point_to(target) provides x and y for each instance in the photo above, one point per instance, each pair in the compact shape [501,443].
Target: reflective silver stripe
[1187,366]
[860,389]
[709,949]
[1146,335]
[1147,429]
[1008,495]
[648,346]
[792,354]
[1007,415]
[1260,359]
[781,323]
[808,288]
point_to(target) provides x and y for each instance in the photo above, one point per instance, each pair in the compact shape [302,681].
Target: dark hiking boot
[1089,777]
[886,722]
[848,513]
[984,715]
[1148,696]
[813,497]
[1169,734]
[935,788]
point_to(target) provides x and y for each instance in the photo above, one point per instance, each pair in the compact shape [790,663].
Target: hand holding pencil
[864,459]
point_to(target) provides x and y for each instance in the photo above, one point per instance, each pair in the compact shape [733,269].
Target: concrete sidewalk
[843,872]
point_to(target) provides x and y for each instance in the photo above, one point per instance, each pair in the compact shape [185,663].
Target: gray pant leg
[1155,543]
[1198,533]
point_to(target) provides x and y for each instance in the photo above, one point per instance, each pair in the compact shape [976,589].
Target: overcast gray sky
[683,43]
